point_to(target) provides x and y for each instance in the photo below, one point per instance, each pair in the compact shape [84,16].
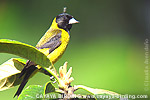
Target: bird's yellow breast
[58,52]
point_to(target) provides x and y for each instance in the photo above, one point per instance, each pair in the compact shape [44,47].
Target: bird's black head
[65,21]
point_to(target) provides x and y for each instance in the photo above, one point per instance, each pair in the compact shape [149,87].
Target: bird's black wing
[52,43]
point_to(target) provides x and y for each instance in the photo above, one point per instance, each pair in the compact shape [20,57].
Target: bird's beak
[73,21]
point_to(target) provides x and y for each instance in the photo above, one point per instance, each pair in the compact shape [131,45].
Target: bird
[53,44]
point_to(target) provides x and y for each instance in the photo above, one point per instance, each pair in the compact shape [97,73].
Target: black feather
[53,43]
[27,71]
[62,20]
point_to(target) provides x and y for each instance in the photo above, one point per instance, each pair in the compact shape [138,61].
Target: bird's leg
[52,78]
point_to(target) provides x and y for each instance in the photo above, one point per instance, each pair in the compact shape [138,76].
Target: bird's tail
[27,72]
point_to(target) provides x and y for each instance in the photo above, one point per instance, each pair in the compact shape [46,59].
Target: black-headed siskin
[52,44]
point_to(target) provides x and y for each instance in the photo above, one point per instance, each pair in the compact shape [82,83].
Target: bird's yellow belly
[57,53]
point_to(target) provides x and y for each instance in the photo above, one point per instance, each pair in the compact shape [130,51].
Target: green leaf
[34,92]
[9,73]
[49,88]
[25,51]
[100,94]
[31,92]
[95,91]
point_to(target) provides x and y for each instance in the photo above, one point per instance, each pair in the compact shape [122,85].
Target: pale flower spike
[65,78]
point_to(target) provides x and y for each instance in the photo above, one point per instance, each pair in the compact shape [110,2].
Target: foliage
[10,70]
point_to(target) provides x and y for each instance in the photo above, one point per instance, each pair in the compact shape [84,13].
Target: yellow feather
[52,31]
[58,52]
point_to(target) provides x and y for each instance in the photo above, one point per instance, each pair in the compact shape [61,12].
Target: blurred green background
[106,49]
